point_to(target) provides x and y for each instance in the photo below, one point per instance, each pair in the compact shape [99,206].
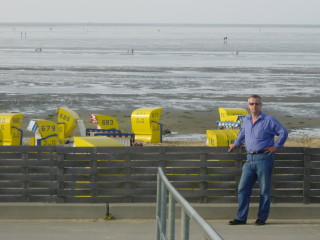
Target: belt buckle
[254,153]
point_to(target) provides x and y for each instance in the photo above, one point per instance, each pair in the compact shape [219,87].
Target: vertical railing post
[25,171]
[158,207]
[172,217]
[60,177]
[184,225]
[238,166]
[163,213]
[203,174]
[306,177]
[93,180]
[129,169]
[273,197]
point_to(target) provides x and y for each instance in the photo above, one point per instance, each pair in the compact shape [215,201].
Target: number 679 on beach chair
[46,132]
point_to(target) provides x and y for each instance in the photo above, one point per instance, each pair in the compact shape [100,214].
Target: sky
[162,11]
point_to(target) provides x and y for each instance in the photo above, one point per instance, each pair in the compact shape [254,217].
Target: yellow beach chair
[67,122]
[98,141]
[232,114]
[10,124]
[146,126]
[46,132]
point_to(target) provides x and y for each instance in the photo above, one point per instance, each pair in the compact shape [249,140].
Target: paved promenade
[42,221]
[144,229]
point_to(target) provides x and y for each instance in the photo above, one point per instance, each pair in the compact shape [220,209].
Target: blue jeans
[257,167]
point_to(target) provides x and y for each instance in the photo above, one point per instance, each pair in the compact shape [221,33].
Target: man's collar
[261,115]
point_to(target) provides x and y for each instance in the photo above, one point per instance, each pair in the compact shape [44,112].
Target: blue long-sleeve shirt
[261,134]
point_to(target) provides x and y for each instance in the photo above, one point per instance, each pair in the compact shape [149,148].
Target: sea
[176,66]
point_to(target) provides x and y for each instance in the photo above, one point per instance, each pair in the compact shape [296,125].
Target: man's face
[254,105]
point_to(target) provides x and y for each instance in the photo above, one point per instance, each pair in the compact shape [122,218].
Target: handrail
[187,212]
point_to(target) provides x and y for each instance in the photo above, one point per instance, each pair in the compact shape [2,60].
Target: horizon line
[164,23]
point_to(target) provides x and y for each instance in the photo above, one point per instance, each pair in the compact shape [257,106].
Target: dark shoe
[237,222]
[260,222]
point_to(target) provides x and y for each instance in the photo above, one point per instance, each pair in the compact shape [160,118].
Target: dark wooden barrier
[128,174]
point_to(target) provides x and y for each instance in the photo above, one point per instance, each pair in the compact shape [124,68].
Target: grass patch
[186,117]
[50,117]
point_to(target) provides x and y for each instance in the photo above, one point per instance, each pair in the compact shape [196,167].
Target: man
[257,132]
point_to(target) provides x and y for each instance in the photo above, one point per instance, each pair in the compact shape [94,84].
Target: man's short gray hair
[255,96]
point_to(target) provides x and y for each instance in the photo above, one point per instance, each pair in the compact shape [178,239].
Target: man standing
[257,132]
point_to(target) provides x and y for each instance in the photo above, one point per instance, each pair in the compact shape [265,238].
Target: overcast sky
[162,11]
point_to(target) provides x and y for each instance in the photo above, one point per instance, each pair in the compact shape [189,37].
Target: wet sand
[187,122]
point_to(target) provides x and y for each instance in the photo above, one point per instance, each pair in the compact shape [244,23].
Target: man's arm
[231,147]
[282,134]
[238,142]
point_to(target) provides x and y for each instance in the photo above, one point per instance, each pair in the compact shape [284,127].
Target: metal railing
[165,190]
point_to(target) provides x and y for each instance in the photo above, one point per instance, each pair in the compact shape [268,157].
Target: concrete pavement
[144,229]
[35,221]
[145,210]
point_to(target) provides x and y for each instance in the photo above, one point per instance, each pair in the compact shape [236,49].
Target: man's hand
[231,147]
[270,150]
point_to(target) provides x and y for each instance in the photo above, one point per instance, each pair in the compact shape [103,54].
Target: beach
[183,127]
[188,70]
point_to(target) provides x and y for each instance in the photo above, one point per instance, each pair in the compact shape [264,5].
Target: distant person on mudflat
[257,132]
